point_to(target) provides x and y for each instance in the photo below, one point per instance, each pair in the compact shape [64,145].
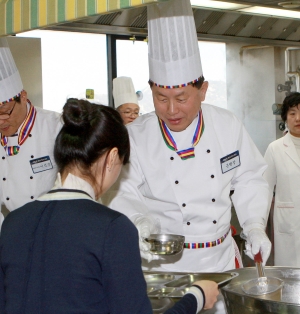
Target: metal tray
[175,285]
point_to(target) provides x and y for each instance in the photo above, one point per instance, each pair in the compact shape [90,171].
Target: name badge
[230,161]
[41,164]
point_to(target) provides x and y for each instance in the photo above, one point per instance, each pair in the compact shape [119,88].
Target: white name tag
[230,161]
[41,164]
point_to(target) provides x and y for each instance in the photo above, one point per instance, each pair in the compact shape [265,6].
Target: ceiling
[211,24]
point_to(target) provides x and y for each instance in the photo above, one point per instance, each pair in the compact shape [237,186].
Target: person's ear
[112,158]
[203,90]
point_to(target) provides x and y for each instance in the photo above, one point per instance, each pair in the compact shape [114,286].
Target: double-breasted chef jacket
[191,197]
[284,172]
[32,172]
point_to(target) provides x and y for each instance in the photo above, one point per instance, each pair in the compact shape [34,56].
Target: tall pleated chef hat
[123,91]
[10,80]
[173,52]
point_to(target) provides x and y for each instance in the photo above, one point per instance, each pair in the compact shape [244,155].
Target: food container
[286,299]
[165,244]
[164,289]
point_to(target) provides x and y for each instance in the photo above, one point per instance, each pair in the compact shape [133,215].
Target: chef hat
[10,80]
[173,52]
[123,91]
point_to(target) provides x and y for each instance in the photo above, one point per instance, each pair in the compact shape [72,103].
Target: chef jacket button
[32,156]
[188,223]
[29,135]
[213,200]
[214,221]
[212,176]
[208,151]
[4,179]
[31,177]
[32,197]
[176,182]
[183,205]
[3,157]
[172,158]
[7,198]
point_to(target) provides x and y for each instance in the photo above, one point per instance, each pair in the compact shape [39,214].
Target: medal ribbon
[170,142]
[24,132]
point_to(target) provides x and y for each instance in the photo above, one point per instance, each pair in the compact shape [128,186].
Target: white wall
[252,77]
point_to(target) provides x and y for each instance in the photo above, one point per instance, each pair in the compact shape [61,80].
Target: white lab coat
[191,197]
[19,185]
[284,172]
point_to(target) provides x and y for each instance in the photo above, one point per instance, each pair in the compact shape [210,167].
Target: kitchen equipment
[166,288]
[165,244]
[237,301]
[264,287]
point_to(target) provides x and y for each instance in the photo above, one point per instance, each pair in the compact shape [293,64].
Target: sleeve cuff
[199,295]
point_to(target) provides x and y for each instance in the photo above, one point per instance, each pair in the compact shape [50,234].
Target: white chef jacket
[284,172]
[21,184]
[191,197]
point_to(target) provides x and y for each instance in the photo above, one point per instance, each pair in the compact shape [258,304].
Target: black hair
[89,132]
[292,100]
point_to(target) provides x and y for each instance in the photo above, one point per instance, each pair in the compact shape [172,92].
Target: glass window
[213,59]
[71,64]
[132,61]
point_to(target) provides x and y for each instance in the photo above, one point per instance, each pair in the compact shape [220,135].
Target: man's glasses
[131,113]
[8,113]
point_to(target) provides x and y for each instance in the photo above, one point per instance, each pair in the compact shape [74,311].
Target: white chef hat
[123,91]
[173,52]
[10,80]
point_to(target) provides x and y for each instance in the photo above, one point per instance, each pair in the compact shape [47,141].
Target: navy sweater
[73,256]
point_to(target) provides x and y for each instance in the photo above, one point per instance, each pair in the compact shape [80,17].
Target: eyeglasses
[8,113]
[130,113]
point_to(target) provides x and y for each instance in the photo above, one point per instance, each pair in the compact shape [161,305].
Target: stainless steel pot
[238,302]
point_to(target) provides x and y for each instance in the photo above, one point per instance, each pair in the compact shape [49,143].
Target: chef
[27,139]
[125,99]
[187,156]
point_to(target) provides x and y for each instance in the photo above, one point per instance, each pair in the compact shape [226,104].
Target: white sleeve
[251,190]
[270,174]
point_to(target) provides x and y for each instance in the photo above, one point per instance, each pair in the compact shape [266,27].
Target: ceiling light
[290,4]
[217,5]
[271,12]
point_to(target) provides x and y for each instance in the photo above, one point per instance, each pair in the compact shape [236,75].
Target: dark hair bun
[76,114]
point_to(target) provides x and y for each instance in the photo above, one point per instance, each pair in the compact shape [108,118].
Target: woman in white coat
[283,172]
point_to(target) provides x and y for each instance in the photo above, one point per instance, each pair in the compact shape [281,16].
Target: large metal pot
[238,302]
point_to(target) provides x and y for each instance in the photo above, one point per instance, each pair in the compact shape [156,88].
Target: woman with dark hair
[65,253]
[283,172]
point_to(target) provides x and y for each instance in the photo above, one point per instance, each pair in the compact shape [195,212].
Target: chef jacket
[284,172]
[32,172]
[191,197]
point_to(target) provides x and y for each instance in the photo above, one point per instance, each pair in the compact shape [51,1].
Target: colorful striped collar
[24,132]
[170,142]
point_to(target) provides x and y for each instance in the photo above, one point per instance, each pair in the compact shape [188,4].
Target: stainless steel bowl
[165,244]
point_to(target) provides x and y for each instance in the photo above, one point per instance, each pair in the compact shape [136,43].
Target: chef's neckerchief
[170,141]
[24,131]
